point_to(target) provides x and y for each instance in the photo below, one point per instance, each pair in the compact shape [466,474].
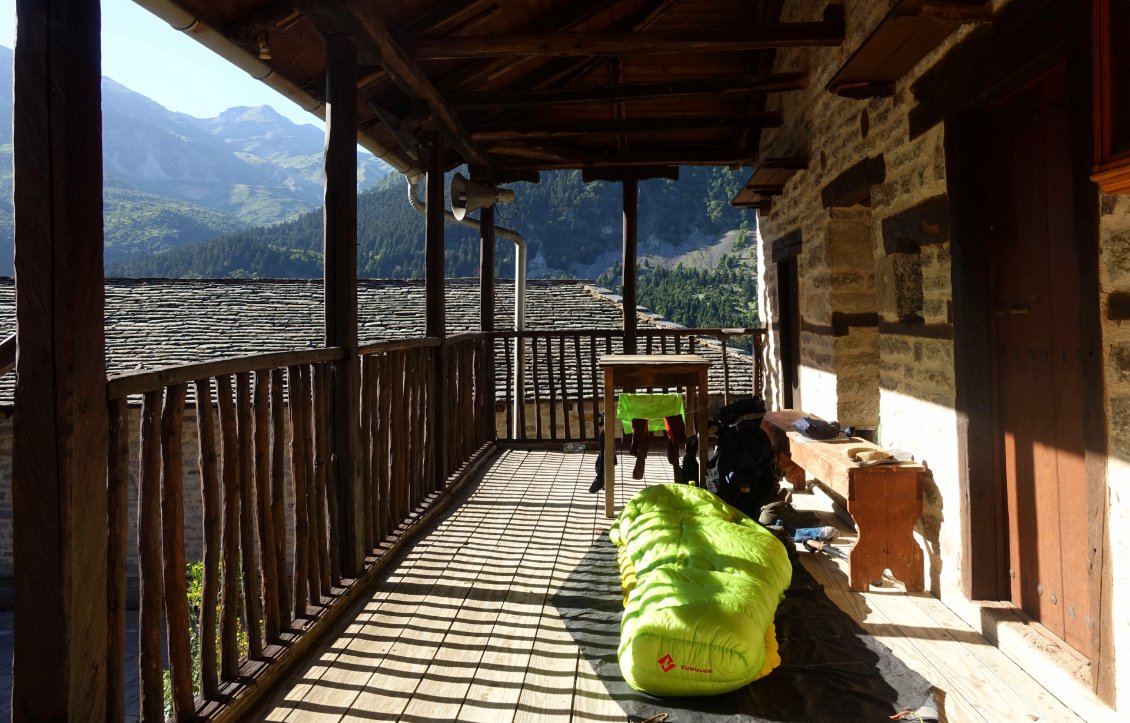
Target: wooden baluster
[563,374]
[378,458]
[149,555]
[484,383]
[535,373]
[247,522]
[321,479]
[725,369]
[172,544]
[508,392]
[418,413]
[596,387]
[467,431]
[650,341]
[386,374]
[396,435]
[411,421]
[521,392]
[452,430]
[420,429]
[313,574]
[403,463]
[229,584]
[267,560]
[579,380]
[278,496]
[212,513]
[384,440]
[118,521]
[368,421]
[551,380]
[298,477]
[757,349]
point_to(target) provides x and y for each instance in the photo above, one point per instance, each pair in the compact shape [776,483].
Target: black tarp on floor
[831,669]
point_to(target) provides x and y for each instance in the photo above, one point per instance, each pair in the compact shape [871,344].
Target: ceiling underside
[517,86]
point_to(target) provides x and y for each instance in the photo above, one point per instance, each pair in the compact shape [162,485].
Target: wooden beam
[60,428]
[628,285]
[408,76]
[573,15]
[773,83]
[340,248]
[854,184]
[587,159]
[435,324]
[563,71]
[444,18]
[822,33]
[639,173]
[572,128]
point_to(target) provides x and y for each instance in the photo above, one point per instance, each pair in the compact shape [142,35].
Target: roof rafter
[571,128]
[574,16]
[570,159]
[774,35]
[740,85]
[404,71]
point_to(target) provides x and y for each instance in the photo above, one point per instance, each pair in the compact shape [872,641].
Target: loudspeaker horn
[467,195]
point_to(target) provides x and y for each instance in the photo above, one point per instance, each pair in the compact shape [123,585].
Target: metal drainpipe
[519,285]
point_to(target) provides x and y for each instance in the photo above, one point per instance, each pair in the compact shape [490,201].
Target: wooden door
[1038,356]
[788,320]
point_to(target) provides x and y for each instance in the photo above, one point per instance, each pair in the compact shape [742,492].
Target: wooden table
[639,371]
[885,500]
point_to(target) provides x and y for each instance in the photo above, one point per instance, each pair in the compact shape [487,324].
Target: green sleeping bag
[701,586]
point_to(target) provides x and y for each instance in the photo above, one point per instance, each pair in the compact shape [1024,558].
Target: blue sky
[143,53]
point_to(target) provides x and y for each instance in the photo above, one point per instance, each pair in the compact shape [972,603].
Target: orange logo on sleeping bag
[667,663]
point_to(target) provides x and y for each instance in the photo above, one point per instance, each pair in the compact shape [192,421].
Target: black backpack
[745,466]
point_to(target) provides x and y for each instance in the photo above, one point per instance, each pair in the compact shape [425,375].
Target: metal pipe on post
[435,320]
[519,281]
[628,284]
[486,308]
[339,240]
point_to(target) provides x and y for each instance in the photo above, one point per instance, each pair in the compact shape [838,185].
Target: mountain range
[171,178]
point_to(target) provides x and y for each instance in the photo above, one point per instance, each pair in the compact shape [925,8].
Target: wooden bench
[885,500]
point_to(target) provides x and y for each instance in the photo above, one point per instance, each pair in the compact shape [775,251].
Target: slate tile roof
[160,322]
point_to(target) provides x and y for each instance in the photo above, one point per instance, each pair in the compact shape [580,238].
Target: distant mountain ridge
[172,178]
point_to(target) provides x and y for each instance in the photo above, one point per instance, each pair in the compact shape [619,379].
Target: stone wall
[907,357]
[1114,279]
[902,380]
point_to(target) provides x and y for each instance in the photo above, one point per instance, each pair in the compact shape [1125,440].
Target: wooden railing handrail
[466,337]
[7,355]
[643,331]
[380,347]
[149,380]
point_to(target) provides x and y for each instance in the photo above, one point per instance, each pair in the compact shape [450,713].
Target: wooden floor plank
[465,627]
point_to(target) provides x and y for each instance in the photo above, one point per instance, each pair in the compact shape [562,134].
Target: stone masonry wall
[911,392]
[916,370]
[1114,278]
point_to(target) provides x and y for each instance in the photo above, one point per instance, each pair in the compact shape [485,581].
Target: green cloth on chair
[652,407]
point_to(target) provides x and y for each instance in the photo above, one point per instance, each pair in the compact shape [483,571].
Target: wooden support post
[340,244]
[59,457]
[436,320]
[628,288]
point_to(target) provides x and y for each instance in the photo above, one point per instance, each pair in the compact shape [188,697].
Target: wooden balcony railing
[554,394]
[258,509]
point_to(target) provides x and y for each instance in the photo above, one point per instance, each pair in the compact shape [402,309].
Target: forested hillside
[572,229]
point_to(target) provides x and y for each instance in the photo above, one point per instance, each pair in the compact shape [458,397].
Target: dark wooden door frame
[984,545]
